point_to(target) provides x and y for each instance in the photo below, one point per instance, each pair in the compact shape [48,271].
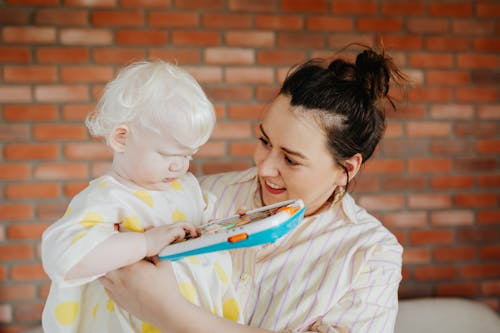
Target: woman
[339,270]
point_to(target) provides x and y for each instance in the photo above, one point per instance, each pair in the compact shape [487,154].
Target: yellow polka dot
[176,185]
[188,291]
[221,273]
[91,219]
[94,310]
[77,237]
[67,212]
[194,260]
[148,328]
[103,184]
[145,197]
[178,216]
[110,305]
[66,313]
[133,223]
[231,309]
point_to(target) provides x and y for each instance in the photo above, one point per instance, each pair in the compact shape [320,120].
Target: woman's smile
[273,188]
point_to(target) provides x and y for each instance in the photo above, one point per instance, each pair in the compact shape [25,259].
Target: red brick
[418,237]
[475,164]
[428,25]
[280,57]
[328,23]
[5,313]
[71,189]
[434,272]
[212,149]
[30,113]
[246,112]
[242,149]
[455,217]
[476,235]
[487,44]
[365,184]
[447,43]
[362,7]
[265,94]
[16,292]
[11,211]
[252,6]
[429,201]
[14,16]
[32,191]
[170,19]
[457,289]
[61,17]
[121,18]
[117,55]
[28,312]
[304,6]
[480,271]
[489,217]
[14,171]
[428,129]
[250,38]
[178,56]
[487,181]
[91,3]
[490,111]
[490,252]
[455,253]
[404,182]
[90,36]
[491,287]
[476,200]
[206,74]
[488,10]
[408,8]
[30,73]
[233,56]
[197,4]
[453,78]
[279,22]
[87,151]
[408,42]
[452,182]
[249,75]
[61,171]
[232,93]
[28,272]
[15,54]
[452,111]
[141,37]
[380,166]
[476,129]
[473,27]
[57,55]
[484,61]
[397,148]
[76,112]
[226,21]
[301,40]
[59,132]
[477,95]
[382,202]
[51,211]
[231,130]
[379,24]
[416,256]
[15,94]
[11,252]
[450,9]
[429,165]
[100,168]
[340,40]
[31,152]
[26,231]
[29,35]
[87,74]
[405,220]
[61,93]
[196,38]
[429,94]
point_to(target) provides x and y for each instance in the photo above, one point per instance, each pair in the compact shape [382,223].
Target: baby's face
[152,160]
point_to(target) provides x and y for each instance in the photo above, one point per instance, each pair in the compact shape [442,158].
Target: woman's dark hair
[348,100]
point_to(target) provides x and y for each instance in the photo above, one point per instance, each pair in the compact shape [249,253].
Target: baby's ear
[118,138]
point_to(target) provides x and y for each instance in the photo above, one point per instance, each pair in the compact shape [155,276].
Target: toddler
[154,116]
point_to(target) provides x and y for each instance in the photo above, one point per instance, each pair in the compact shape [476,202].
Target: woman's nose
[269,165]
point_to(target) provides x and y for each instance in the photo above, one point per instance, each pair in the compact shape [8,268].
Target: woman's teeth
[271,185]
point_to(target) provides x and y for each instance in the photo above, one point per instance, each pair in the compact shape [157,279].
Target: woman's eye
[290,161]
[264,141]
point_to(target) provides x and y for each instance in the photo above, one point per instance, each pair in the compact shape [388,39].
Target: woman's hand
[145,289]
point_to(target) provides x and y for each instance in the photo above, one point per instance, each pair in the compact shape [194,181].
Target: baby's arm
[125,248]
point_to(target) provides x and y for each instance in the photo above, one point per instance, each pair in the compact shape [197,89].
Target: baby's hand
[159,237]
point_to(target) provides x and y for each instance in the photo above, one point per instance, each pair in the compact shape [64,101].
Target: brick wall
[434,181]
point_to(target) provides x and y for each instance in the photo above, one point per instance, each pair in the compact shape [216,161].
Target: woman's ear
[118,138]
[352,165]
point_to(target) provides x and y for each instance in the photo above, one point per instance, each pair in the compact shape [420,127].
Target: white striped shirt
[338,271]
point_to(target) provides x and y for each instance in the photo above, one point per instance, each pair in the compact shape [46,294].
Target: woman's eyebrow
[286,150]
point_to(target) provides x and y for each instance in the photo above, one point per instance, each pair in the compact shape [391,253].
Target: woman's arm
[149,291]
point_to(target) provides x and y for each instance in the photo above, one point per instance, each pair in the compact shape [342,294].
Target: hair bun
[373,73]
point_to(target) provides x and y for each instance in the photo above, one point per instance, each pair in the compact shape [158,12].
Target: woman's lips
[272,188]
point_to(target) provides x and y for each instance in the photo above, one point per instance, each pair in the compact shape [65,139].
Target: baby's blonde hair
[154,95]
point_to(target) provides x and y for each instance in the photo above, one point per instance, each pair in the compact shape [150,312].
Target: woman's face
[292,158]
